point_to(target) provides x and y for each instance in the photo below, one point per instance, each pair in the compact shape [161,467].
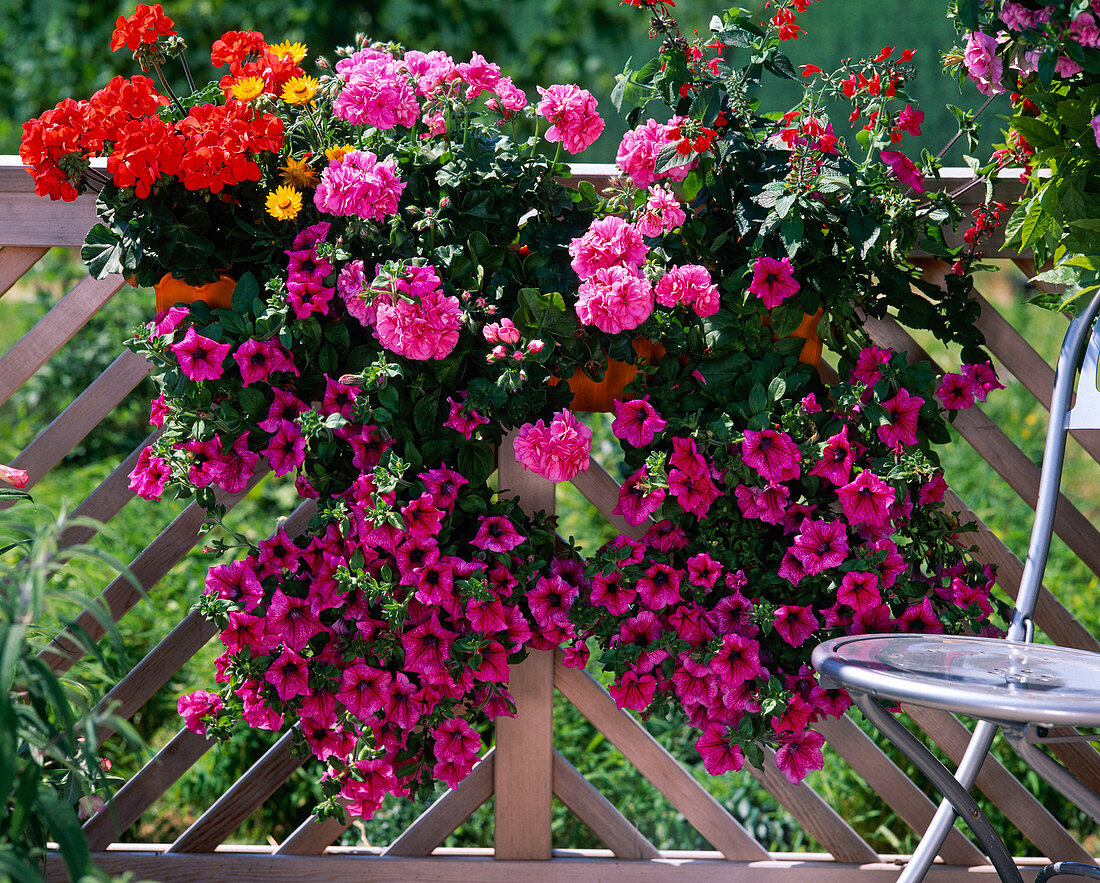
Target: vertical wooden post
[523,774]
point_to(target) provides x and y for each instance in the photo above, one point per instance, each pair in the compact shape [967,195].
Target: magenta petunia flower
[718,753]
[497,534]
[902,409]
[463,419]
[289,675]
[364,792]
[860,591]
[703,571]
[259,358]
[633,691]
[774,455]
[200,357]
[550,600]
[610,592]
[693,489]
[984,377]
[795,624]
[767,504]
[286,450]
[903,169]
[820,545]
[867,500]
[637,422]
[836,460]
[737,660]
[193,707]
[364,690]
[660,587]
[148,478]
[799,754]
[234,582]
[773,280]
[427,649]
[443,484]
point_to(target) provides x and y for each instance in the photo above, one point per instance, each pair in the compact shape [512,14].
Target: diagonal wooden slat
[1051,616]
[159,557]
[176,648]
[893,786]
[15,261]
[819,819]
[312,837]
[82,416]
[1013,799]
[599,814]
[106,501]
[241,799]
[54,330]
[602,491]
[146,786]
[659,767]
[998,450]
[439,820]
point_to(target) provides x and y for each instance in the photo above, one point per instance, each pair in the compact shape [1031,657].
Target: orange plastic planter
[588,395]
[171,290]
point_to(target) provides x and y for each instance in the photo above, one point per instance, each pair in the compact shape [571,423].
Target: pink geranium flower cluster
[416,319]
[574,120]
[358,185]
[556,452]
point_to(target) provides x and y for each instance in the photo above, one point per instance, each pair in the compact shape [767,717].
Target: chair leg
[1072,869]
[944,782]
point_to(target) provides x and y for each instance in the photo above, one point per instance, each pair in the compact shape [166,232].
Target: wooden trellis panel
[524,771]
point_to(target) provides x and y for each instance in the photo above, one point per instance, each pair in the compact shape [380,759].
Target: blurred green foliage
[52,49]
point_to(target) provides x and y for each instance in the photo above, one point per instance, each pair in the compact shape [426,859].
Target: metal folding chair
[1011,684]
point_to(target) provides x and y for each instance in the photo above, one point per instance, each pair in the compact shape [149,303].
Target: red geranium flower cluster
[146,25]
[211,148]
[249,55]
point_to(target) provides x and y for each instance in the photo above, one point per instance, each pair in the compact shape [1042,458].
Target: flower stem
[958,134]
[167,88]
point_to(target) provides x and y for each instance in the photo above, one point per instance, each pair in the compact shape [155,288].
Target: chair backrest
[1080,350]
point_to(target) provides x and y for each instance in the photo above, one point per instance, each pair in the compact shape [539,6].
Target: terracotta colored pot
[807,329]
[171,290]
[588,395]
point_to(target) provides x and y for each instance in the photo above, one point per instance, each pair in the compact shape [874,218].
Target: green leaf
[781,66]
[424,414]
[476,461]
[1039,134]
[245,293]
[252,400]
[105,252]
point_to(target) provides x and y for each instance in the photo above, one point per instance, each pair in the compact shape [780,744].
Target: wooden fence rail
[524,772]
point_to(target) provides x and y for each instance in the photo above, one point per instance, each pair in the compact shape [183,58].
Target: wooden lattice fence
[523,772]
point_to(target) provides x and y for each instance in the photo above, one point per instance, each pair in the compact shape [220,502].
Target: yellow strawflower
[296,51]
[299,90]
[337,153]
[247,88]
[284,204]
[297,173]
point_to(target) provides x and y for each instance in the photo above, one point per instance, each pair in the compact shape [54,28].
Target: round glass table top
[980,677]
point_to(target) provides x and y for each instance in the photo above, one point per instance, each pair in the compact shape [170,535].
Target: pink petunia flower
[773,280]
[718,753]
[200,357]
[867,500]
[820,545]
[773,455]
[637,422]
[463,419]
